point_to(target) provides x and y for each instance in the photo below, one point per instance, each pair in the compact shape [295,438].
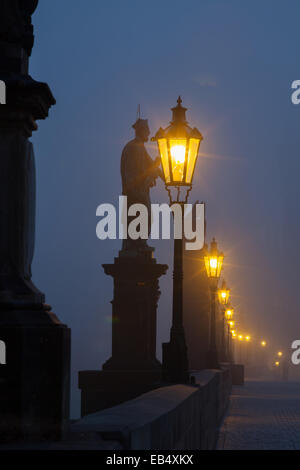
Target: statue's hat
[140,123]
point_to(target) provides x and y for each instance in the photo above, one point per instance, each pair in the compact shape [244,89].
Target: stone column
[133,367]
[34,381]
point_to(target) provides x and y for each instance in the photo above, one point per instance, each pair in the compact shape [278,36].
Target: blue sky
[233,63]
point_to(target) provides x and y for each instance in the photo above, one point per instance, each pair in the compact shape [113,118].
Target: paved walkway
[262,415]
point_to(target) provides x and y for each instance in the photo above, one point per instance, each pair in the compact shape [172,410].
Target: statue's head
[142,130]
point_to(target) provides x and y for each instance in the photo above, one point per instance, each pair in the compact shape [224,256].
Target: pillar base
[35,378]
[175,361]
[212,360]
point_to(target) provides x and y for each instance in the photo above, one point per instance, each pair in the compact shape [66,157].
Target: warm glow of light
[213,261]
[241,337]
[247,338]
[229,313]
[178,154]
[277,363]
[263,343]
[223,295]
[231,323]
[279,353]
[178,146]
[213,265]
[163,150]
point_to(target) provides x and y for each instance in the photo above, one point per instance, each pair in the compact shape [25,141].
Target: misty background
[233,64]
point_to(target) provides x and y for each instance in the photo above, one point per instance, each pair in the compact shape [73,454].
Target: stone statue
[15,22]
[139,173]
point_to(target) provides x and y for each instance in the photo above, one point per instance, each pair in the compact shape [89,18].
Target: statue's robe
[138,175]
[137,171]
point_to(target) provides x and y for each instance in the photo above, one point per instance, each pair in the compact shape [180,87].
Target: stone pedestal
[133,367]
[34,378]
[35,381]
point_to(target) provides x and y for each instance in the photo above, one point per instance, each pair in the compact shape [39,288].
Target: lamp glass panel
[192,158]
[163,150]
[219,265]
[206,262]
[178,154]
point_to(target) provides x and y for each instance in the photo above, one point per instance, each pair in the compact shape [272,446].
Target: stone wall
[181,417]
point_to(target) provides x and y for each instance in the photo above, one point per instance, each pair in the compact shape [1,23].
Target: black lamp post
[213,263]
[178,146]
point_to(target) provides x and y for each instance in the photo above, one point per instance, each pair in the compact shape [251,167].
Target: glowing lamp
[223,294]
[229,313]
[263,343]
[178,147]
[277,363]
[247,338]
[241,337]
[213,260]
[279,353]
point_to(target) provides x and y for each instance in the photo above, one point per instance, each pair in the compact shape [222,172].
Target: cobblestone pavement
[262,415]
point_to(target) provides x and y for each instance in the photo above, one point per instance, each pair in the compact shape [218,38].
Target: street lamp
[279,353]
[263,343]
[223,296]
[178,147]
[230,326]
[213,260]
[229,313]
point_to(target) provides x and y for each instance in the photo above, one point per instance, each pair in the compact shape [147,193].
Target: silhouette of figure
[139,173]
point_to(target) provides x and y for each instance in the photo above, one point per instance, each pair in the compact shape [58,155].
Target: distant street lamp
[223,296]
[279,353]
[229,313]
[263,343]
[230,331]
[213,263]
[178,147]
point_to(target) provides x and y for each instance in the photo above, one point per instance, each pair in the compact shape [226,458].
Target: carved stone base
[133,367]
